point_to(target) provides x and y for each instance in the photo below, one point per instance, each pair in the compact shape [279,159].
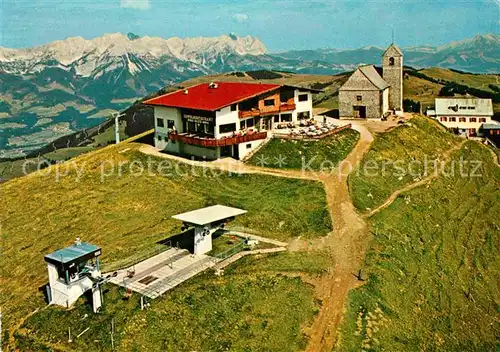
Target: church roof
[365,78]
[371,73]
[393,47]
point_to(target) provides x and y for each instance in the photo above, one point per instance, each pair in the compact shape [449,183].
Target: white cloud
[135,4]
[240,17]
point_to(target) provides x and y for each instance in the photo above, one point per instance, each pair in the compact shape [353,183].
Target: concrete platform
[156,275]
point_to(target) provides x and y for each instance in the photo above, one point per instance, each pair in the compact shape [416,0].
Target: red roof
[202,97]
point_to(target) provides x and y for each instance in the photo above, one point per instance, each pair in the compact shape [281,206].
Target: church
[366,94]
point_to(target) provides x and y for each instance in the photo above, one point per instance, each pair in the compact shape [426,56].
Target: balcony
[266,111]
[249,113]
[287,107]
[212,142]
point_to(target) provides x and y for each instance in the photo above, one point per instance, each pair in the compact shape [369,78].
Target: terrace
[194,139]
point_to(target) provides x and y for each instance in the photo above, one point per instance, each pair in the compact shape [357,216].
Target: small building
[219,119]
[72,272]
[158,274]
[366,94]
[464,115]
[491,131]
[205,222]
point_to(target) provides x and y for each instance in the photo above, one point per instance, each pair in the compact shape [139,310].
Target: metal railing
[213,142]
[230,251]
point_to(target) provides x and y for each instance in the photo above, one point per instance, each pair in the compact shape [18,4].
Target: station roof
[208,215]
[73,253]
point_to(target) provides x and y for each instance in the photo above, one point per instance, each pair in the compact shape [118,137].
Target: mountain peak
[132,36]
[487,40]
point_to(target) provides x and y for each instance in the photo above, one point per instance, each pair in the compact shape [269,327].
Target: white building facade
[464,115]
[193,122]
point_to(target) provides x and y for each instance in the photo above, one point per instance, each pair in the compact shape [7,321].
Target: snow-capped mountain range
[99,55]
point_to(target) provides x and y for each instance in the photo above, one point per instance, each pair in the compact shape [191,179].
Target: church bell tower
[392,66]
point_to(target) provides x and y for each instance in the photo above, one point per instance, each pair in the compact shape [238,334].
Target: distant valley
[65,86]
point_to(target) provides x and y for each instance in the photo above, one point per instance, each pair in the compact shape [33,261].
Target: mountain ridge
[84,55]
[73,84]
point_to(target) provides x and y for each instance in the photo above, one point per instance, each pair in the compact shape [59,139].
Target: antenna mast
[117,115]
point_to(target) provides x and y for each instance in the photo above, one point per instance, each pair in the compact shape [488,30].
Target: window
[453,119]
[170,123]
[250,123]
[269,102]
[303,115]
[443,118]
[159,138]
[233,107]
[228,127]
[276,119]
[359,98]
[461,119]
[472,119]
[303,97]
[159,122]
[463,107]
[210,129]
[471,108]
[286,94]
[249,145]
[191,127]
[243,125]
[286,117]
[482,119]
[391,61]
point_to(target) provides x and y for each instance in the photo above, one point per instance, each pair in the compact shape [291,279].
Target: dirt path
[230,165]
[347,242]
[447,156]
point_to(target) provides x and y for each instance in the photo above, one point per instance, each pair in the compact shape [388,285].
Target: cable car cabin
[73,271]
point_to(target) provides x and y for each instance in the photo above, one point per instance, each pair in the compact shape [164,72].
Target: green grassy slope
[479,81]
[234,312]
[315,155]
[127,214]
[433,267]
[421,90]
[396,159]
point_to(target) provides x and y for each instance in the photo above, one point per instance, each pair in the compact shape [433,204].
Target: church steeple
[392,66]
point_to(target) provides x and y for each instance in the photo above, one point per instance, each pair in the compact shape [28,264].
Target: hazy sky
[281,25]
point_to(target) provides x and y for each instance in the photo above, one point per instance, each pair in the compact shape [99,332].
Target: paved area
[160,273]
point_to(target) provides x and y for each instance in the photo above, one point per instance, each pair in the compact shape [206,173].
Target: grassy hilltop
[433,263]
[127,214]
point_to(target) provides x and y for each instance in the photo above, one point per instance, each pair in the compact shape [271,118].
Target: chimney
[186,91]
[78,241]
[212,85]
